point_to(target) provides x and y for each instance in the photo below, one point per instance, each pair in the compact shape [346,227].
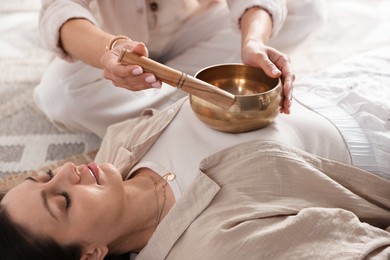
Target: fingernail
[150,79]
[156,84]
[275,71]
[137,71]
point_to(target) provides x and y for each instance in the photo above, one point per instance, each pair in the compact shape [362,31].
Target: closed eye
[68,201]
[42,178]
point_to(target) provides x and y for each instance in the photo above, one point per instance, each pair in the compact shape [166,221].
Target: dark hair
[16,243]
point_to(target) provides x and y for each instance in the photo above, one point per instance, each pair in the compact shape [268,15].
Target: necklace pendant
[170,176]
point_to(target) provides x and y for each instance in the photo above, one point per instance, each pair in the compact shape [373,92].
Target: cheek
[93,208]
[27,211]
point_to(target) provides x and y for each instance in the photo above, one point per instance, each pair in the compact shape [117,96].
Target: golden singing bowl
[257,101]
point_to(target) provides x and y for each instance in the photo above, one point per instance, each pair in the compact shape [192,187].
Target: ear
[97,253]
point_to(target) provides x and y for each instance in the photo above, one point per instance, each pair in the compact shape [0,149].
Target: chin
[109,172]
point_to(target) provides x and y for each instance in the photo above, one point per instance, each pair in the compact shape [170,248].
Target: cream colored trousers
[76,97]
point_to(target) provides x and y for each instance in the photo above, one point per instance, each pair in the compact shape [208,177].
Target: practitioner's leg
[76,97]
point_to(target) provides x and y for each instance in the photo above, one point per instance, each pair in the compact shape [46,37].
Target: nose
[67,174]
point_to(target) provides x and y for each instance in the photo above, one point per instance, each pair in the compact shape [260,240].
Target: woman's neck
[149,200]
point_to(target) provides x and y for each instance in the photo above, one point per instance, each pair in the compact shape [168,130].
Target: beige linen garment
[261,200]
[130,17]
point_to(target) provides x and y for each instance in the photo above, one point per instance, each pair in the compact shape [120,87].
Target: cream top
[186,141]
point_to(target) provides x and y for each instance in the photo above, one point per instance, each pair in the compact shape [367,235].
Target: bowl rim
[279,81]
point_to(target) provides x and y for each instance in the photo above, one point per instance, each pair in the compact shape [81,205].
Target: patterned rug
[28,141]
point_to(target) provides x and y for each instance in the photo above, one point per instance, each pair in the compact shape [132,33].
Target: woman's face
[81,204]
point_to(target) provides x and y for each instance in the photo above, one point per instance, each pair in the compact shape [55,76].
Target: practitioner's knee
[51,99]
[61,90]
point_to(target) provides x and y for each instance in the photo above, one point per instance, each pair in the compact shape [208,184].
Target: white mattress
[355,96]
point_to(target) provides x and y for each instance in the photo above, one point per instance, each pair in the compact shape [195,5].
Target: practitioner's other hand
[131,77]
[274,64]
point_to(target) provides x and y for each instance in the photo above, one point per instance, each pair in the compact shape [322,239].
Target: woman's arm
[256,28]
[256,24]
[54,14]
[70,31]
[84,41]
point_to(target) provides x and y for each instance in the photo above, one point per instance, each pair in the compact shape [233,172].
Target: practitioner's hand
[131,77]
[275,64]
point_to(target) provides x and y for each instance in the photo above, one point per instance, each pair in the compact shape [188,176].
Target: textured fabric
[130,16]
[28,140]
[354,95]
[264,200]
[165,21]
[127,142]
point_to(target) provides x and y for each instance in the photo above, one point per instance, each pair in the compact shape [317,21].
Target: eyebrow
[31,179]
[44,199]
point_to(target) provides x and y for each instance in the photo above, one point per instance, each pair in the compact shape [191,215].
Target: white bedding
[355,96]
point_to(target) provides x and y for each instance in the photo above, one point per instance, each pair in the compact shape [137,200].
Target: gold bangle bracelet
[113,41]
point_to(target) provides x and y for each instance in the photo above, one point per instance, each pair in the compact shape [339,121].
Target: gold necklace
[169,176]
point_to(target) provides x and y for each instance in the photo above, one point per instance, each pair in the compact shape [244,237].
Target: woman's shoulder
[136,131]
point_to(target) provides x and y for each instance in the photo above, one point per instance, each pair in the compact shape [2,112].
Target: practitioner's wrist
[115,40]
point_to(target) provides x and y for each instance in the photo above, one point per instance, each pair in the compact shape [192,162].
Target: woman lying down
[165,186]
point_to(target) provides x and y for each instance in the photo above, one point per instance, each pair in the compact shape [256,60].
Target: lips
[94,171]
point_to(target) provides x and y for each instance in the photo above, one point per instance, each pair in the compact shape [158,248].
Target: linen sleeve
[276,8]
[53,14]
